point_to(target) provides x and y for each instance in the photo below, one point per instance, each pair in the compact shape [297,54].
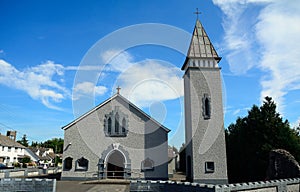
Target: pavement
[107,185]
[97,186]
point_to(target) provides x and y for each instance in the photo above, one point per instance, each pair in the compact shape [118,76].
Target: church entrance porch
[115,165]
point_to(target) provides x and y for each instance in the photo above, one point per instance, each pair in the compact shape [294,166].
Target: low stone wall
[168,186]
[32,185]
[11,173]
[284,185]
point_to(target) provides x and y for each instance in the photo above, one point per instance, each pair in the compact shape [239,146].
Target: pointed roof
[200,46]
[117,95]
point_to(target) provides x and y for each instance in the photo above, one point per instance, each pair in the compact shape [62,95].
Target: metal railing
[112,175]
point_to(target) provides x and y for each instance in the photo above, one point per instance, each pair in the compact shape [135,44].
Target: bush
[17,164]
[26,160]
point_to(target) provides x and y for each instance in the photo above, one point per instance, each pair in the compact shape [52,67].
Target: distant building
[115,139]
[172,161]
[41,155]
[10,150]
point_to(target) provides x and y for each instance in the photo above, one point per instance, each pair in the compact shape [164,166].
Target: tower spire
[200,45]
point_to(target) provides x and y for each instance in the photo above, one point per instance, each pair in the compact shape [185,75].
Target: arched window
[68,163]
[123,125]
[206,106]
[109,125]
[117,125]
[82,164]
[147,165]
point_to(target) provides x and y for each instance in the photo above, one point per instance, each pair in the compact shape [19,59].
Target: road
[79,186]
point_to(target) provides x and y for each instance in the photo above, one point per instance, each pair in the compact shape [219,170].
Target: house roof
[107,101]
[200,46]
[8,142]
[42,153]
[32,153]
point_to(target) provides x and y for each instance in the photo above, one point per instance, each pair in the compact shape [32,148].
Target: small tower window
[206,105]
[209,167]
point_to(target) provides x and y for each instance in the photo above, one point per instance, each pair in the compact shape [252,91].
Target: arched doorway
[115,165]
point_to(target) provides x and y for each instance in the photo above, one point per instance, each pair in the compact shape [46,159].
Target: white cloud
[296,123]
[83,68]
[239,39]
[117,60]
[38,82]
[266,37]
[87,89]
[237,111]
[278,34]
[144,82]
[151,81]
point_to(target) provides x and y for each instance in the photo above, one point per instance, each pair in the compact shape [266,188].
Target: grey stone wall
[33,185]
[205,137]
[284,185]
[145,139]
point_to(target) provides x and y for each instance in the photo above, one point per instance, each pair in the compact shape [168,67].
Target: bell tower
[204,121]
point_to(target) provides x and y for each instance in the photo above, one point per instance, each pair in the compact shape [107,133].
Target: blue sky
[42,43]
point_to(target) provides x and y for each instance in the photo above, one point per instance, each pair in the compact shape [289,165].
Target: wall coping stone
[281,183]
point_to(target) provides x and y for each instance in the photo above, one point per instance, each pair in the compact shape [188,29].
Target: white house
[41,155]
[10,150]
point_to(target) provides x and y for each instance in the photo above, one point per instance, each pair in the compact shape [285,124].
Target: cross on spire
[197,13]
[118,89]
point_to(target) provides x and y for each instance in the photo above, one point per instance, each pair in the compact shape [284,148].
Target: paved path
[78,186]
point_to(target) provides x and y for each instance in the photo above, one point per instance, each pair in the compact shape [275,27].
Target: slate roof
[107,101]
[8,142]
[42,155]
[200,46]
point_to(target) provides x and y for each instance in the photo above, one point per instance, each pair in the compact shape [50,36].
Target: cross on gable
[118,89]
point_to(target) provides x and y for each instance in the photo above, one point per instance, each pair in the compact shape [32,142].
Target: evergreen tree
[24,141]
[250,139]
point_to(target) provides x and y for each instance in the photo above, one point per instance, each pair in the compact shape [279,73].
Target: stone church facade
[118,140]
[115,140]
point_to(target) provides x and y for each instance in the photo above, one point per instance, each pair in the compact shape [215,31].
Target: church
[126,143]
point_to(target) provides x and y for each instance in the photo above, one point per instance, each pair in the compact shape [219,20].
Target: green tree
[56,144]
[250,139]
[24,141]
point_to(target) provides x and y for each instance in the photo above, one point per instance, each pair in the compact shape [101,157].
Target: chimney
[12,135]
